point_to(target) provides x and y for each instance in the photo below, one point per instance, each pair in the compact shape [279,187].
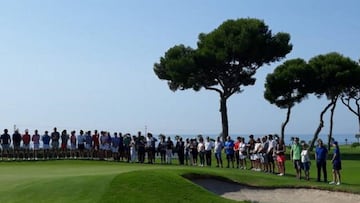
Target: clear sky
[89,64]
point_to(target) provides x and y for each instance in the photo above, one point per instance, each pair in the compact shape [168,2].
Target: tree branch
[348,105]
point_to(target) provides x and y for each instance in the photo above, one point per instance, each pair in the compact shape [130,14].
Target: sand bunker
[240,192]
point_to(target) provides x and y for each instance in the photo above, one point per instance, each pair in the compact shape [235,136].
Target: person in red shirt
[26,144]
[236,151]
[95,144]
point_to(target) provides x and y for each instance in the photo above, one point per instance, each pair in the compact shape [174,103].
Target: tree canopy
[287,86]
[225,59]
[332,75]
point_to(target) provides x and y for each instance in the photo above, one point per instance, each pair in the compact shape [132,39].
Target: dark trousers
[321,164]
[181,157]
[208,157]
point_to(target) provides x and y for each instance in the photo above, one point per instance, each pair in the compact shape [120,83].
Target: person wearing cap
[336,161]
[295,155]
[320,157]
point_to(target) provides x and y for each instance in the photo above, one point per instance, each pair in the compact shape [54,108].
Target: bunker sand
[239,192]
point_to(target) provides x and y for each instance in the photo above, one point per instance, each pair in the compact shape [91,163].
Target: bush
[355,144]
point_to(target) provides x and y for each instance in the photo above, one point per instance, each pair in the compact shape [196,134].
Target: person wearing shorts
[305,161]
[36,142]
[26,145]
[16,137]
[5,144]
[88,142]
[336,161]
[81,143]
[46,145]
[280,152]
[73,144]
[64,143]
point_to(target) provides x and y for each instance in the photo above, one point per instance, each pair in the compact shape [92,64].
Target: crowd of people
[265,153]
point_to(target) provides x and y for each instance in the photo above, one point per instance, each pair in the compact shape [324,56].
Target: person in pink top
[36,142]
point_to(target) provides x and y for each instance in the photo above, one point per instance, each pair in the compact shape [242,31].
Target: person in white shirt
[242,153]
[305,161]
[219,145]
[209,145]
[201,151]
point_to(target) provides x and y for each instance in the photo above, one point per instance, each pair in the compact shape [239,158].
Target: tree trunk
[283,125]
[321,125]
[331,121]
[224,117]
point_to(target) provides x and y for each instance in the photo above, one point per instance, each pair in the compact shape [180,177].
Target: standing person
[26,144]
[194,151]
[209,146]
[121,147]
[96,144]
[169,150]
[46,145]
[251,146]
[162,149]
[320,157]
[88,143]
[141,148]
[271,153]
[5,144]
[217,150]
[73,144]
[336,161]
[133,149]
[236,151]
[305,161]
[201,151]
[36,142]
[187,155]
[55,137]
[127,141]
[64,143]
[242,153]
[180,148]
[264,155]
[229,151]
[16,137]
[295,155]
[81,144]
[280,152]
[115,141]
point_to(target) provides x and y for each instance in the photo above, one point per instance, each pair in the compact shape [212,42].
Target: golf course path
[240,192]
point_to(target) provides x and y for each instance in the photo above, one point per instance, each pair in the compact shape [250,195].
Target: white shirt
[209,146]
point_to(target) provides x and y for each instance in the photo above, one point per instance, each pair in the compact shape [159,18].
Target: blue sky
[89,64]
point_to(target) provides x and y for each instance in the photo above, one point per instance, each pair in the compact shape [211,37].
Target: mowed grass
[99,181]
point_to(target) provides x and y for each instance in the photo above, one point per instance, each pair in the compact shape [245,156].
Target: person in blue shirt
[336,161]
[229,151]
[46,144]
[320,157]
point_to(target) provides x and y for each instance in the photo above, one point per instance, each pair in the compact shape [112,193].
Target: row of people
[264,153]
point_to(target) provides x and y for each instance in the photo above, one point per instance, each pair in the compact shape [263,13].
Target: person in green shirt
[295,156]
